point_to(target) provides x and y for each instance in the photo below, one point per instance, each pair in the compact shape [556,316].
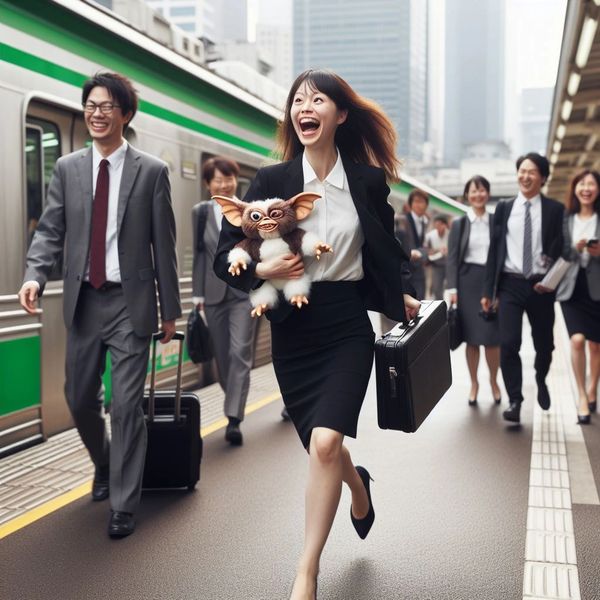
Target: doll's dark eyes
[276,214]
[255,215]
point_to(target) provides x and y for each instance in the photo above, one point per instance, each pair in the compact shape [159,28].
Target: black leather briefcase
[412,367]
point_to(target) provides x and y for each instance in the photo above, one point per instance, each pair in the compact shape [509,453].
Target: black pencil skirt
[581,313]
[322,356]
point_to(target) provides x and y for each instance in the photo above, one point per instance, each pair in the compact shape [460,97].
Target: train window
[42,150]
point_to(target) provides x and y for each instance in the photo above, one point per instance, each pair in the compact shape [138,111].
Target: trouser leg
[510,315]
[540,311]
[129,358]
[85,357]
[241,346]
[217,320]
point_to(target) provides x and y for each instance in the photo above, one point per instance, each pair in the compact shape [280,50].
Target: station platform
[469,507]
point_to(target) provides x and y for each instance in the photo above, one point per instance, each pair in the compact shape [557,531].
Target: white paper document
[555,274]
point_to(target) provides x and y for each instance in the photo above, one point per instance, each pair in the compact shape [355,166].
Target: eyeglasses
[105,107]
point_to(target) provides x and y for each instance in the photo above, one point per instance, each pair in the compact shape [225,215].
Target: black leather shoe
[472,401]
[285,415]
[233,434]
[513,412]
[363,526]
[543,397]
[592,405]
[100,489]
[584,419]
[121,524]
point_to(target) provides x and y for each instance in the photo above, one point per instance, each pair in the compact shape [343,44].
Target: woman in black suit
[579,290]
[341,146]
[468,246]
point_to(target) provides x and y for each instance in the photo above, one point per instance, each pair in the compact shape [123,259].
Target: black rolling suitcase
[412,367]
[173,420]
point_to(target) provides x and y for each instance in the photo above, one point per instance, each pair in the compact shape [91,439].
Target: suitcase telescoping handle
[155,338]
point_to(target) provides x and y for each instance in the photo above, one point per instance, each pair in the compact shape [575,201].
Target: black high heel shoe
[473,402]
[363,526]
[584,419]
[592,406]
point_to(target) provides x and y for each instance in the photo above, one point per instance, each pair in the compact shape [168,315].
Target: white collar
[522,200]
[115,159]
[473,217]
[419,219]
[335,176]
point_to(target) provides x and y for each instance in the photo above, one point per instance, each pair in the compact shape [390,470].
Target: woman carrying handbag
[340,146]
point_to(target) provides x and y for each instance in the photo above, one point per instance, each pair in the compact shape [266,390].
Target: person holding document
[579,290]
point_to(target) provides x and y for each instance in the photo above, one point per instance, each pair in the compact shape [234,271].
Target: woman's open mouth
[308,125]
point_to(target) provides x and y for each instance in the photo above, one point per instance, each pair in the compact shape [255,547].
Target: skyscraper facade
[197,17]
[380,48]
[474,75]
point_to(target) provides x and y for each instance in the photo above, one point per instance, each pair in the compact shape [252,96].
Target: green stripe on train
[58,26]
[19,374]
[434,202]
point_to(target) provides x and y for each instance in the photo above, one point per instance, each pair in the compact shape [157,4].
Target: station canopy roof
[574,135]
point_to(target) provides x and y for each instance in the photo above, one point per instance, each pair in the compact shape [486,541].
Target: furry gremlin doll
[271,231]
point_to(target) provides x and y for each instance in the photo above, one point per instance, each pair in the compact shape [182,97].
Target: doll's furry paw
[235,268]
[259,310]
[320,248]
[298,300]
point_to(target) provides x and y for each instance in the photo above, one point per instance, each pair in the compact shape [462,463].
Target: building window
[183,11]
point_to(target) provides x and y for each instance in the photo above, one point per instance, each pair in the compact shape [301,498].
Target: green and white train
[48,48]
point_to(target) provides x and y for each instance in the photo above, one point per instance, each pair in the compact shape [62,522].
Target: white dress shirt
[334,220]
[514,236]
[584,229]
[479,238]
[433,241]
[115,171]
[420,225]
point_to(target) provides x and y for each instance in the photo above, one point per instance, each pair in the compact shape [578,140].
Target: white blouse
[479,238]
[584,229]
[334,220]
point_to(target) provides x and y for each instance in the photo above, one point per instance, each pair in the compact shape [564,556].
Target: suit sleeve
[164,247]
[199,258]
[231,235]
[453,252]
[491,266]
[49,238]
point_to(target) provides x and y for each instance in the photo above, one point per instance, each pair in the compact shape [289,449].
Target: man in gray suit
[227,309]
[109,206]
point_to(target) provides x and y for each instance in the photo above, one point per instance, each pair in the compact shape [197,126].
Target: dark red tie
[99,221]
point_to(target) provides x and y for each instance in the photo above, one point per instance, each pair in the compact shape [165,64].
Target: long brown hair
[367,135]
[572,204]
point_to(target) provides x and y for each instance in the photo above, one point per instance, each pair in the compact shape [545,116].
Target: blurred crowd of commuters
[490,265]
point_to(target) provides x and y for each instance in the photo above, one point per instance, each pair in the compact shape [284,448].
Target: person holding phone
[579,290]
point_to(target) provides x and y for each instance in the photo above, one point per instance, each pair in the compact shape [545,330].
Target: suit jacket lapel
[85,175]
[294,182]
[131,166]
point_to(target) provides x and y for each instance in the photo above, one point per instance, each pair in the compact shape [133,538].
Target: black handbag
[199,343]
[455,334]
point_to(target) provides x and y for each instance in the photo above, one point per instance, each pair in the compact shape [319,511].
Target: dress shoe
[100,489]
[497,400]
[543,397]
[513,412]
[121,524]
[584,419]
[363,525]
[592,406]
[285,415]
[472,401]
[233,434]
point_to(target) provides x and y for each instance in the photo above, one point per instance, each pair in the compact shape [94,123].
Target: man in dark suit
[411,233]
[526,239]
[110,207]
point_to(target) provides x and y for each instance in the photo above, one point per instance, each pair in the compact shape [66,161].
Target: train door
[48,131]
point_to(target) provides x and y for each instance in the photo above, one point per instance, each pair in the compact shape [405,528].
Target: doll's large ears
[232,209]
[303,204]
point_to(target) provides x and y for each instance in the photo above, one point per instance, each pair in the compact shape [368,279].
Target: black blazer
[384,260]
[410,240]
[552,239]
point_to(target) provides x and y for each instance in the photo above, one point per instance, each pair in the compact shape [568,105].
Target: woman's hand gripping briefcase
[412,367]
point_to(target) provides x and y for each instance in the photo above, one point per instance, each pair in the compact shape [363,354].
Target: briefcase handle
[179,335]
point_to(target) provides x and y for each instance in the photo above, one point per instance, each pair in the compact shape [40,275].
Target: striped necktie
[527,256]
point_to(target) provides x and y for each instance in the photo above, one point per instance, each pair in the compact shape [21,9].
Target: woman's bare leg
[323,492]
[492,357]
[578,362]
[472,353]
[594,349]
